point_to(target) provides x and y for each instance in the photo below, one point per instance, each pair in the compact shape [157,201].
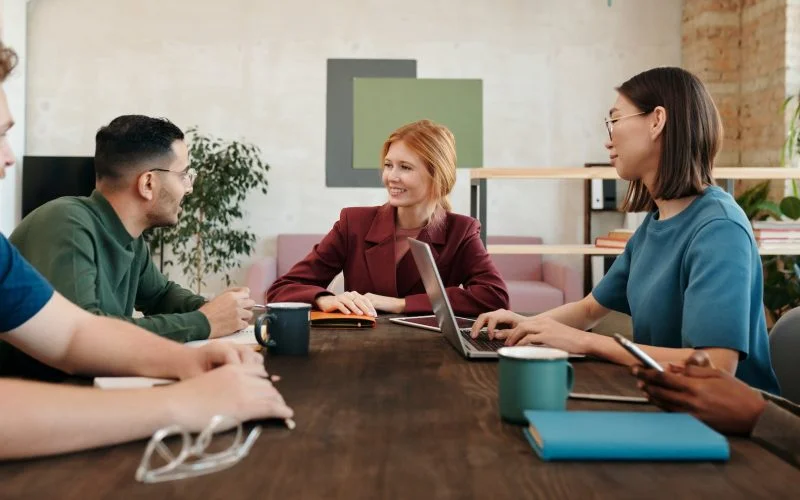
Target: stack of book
[776,233]
[617,238]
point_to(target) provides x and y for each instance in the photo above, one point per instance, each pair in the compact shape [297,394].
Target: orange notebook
[340,320]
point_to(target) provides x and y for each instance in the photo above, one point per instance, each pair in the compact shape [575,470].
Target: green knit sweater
[82,248]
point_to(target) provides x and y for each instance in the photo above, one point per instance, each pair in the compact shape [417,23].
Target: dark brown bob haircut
[691,138]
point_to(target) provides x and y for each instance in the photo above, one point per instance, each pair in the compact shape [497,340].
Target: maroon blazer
[362,245]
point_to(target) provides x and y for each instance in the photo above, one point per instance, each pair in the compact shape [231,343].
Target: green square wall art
[381,105]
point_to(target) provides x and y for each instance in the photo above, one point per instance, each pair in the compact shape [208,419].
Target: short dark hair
[129,142]
[691,138]
[8,59]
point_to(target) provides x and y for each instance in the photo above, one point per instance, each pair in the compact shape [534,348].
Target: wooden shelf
[611,173]
[782,249]
[552,250]
[478,202]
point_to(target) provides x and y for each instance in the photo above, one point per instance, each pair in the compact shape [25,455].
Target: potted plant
[204,241]
[781,272]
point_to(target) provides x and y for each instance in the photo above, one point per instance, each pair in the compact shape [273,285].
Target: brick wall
[793,47]
[763,82]
[746,51]
[711,31]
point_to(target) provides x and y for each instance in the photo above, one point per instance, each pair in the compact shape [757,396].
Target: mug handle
[570,377]
[257,329]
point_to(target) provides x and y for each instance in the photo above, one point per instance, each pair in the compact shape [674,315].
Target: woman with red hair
[370,244]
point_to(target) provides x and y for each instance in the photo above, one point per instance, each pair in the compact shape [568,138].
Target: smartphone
[608,397]
[637,353]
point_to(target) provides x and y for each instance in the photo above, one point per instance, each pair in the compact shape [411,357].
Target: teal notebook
[605,435]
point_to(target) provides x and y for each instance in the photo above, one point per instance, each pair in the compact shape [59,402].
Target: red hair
[436,146]
[8,59]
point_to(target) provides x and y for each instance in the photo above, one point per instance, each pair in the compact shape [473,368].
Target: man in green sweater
[92,251]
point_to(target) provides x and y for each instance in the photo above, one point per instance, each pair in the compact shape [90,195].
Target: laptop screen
[436,293]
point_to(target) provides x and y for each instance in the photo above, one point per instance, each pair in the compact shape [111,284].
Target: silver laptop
[459,338]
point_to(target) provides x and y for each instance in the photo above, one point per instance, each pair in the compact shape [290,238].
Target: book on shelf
[776,234]
[776,225]
[621,234]
[614,239]
[604,242]
[778,243]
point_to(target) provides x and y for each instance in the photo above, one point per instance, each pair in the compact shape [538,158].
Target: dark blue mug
[288,328]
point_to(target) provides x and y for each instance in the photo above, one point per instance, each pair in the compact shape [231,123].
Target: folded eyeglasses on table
[194,458]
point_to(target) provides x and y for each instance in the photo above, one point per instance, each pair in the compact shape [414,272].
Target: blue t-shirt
[695,280]
[23,291]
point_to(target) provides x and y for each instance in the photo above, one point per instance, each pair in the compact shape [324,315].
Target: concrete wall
[256,70]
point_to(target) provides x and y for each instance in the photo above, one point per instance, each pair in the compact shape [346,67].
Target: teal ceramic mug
[288,328]
[532,378]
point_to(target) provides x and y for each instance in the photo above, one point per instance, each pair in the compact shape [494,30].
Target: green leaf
[754,194]
[770,207]
[790,145]
[752,197]
[790,207]
[204,241]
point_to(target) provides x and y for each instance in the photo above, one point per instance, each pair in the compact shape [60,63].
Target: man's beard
[165,212]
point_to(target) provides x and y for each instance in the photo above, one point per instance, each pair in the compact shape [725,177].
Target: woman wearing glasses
[690,277]
[370,244]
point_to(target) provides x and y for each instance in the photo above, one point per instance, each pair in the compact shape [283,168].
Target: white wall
[13,28]
[256,70]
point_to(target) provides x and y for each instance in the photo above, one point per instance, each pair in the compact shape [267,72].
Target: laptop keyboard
[482,343]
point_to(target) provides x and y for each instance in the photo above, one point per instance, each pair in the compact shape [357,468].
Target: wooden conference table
[395,412]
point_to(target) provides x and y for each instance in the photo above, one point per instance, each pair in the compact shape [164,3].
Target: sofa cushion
[533,296]
[517,266]
[292,248]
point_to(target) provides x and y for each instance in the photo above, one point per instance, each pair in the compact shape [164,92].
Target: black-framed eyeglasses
[611,121]
[189,175]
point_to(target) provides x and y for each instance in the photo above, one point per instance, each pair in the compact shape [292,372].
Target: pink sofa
[533,285]
[291,249]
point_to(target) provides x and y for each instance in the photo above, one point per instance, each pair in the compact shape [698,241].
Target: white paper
[244,337]
[129,382]
[597,193]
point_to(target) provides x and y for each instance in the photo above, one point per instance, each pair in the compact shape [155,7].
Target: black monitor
[46,178]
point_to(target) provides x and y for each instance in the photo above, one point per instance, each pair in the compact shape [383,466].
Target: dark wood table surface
[395,412]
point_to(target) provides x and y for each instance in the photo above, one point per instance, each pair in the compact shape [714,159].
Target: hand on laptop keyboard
[482,342]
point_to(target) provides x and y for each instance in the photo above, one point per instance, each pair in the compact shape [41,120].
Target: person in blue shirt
[690,277]
[45,419]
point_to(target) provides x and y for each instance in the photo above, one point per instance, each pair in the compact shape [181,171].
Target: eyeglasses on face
[611,121]
[188,176]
